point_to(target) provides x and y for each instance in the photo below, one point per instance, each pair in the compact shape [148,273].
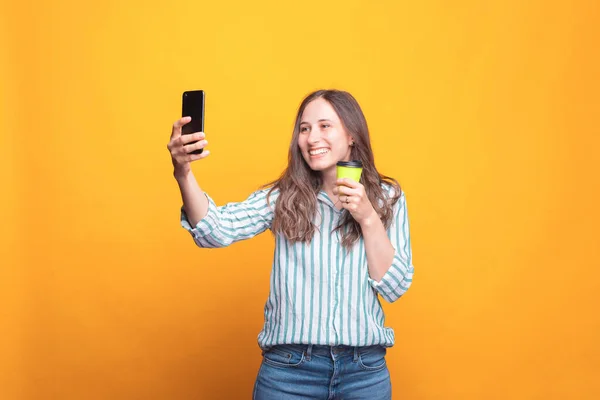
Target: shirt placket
[336,281]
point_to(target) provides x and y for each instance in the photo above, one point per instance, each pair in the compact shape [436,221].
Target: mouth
[320,152]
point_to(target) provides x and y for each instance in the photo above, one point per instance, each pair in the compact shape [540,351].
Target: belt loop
[309,352]
[355,353]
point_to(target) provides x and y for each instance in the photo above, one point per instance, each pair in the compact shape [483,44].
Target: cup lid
[352,163]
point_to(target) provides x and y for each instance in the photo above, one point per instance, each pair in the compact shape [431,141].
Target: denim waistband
[309,350]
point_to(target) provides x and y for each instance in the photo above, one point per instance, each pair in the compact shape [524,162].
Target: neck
[329,178]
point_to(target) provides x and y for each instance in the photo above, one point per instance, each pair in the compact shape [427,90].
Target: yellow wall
[486,112]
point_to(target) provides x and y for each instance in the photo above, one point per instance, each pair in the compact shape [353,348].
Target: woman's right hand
[180,146]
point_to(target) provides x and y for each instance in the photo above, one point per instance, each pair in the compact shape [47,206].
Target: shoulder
[392,190]
[268,195]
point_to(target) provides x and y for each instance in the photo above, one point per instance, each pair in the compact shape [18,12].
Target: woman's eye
[325,126]
[303,129]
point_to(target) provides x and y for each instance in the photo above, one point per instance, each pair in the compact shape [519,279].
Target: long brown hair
[299,185]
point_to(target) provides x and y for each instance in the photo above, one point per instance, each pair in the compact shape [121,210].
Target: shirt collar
[322,196]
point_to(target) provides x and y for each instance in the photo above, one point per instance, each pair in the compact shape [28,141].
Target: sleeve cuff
[206,224]
[395,282]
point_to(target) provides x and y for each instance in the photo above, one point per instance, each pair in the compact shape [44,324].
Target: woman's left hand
[354,199]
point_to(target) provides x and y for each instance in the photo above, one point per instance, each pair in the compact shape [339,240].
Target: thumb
[176,132]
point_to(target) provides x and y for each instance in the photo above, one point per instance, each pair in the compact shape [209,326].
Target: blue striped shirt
[320,293]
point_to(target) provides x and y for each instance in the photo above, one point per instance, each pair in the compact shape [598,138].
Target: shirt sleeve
[398,277]
[233,222]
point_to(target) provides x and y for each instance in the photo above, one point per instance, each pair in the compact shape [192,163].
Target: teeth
[318,151]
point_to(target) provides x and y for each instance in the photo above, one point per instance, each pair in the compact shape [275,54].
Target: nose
[314,136]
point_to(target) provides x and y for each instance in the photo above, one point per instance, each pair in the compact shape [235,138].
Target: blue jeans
[294,372]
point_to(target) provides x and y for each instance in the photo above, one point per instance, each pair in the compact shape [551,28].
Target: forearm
[195,202]
[379,249]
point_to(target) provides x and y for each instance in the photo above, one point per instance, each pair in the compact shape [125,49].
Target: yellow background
[485,111]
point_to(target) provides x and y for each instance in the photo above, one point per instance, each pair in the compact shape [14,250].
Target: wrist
[370,221]
[182,173]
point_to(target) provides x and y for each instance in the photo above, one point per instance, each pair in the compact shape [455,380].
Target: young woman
[339,244]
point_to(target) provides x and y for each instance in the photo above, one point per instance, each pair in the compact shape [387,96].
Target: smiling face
[322,139]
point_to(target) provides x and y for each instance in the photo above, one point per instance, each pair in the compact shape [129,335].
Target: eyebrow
[321,120]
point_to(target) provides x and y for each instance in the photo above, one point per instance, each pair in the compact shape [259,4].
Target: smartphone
[193,106]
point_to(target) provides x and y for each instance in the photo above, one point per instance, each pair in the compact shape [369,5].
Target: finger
[345,190]
[192,137]
[195,146]
[347,182]
[348,203]
[176,132]
[195,157]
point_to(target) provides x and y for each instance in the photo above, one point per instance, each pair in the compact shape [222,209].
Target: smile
[318,152]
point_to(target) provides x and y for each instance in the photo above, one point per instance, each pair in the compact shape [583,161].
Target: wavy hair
[298,185]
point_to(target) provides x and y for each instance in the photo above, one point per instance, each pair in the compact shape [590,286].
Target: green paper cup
[349,169]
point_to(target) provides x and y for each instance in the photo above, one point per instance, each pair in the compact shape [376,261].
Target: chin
[321,166]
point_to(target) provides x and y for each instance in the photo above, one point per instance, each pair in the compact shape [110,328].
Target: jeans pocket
[372,358]
[283,356]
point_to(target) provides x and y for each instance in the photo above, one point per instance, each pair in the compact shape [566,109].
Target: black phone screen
[193,106]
